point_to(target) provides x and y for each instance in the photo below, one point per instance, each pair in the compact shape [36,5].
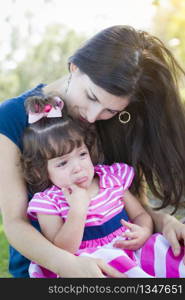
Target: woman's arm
[13,198]
[170,227]
[24,237]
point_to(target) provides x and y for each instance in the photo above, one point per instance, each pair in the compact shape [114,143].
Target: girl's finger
[125,243]
[67,189]
[129,235]
[127,224]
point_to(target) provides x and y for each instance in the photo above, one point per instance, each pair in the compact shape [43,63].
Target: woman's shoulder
[13,117]
[10,104]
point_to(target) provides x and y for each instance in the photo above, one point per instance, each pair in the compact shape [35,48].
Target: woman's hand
[134,238]
[170,227]
[87,267]
[174,232]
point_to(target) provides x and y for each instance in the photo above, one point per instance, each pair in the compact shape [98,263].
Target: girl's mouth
[81,180]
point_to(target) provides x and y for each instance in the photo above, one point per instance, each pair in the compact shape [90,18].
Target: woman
[124,81]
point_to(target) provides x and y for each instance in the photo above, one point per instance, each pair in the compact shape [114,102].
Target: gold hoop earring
[124,117]
[68,82]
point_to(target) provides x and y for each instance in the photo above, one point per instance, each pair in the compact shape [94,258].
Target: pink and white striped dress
[103,228]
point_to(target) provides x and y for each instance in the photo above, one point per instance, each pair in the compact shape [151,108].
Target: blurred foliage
[44,62]
[4,253]
[168,25]
[29,62]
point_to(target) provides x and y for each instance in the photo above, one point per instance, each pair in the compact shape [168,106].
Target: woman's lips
[83,119]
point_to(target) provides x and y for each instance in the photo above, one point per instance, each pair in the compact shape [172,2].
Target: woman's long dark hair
[133,63]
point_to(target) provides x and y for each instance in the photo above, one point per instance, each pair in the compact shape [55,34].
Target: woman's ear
[73,67]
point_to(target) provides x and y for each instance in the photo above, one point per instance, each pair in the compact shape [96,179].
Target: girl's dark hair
[135,64]
[49,138]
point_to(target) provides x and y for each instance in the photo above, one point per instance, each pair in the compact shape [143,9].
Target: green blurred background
[30,58]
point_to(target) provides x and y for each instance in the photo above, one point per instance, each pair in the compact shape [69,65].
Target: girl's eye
[61,164]
[83,154]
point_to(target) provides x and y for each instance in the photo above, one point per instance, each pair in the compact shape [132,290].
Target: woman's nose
[93,114]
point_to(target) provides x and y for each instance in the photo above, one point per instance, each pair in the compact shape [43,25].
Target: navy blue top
[13,121]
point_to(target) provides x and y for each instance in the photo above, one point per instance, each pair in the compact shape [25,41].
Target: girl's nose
[77,167]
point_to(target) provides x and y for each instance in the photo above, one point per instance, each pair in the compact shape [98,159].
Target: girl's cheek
[66,181]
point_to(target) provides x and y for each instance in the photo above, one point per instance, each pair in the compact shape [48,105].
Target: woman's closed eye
[94,99]
[112,112]
[91,98]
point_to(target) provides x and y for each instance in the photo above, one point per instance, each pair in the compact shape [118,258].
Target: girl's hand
[134,238]
[174,232]
[76,195]
[86,267]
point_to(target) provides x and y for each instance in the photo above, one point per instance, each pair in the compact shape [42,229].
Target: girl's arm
[67,235]
[140,228]
[24,237]
[137,214]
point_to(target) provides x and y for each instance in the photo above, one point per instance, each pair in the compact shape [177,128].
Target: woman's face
[89,102]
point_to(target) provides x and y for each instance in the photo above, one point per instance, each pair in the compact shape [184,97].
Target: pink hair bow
[48,112]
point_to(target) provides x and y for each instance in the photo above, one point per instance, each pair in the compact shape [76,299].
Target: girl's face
[73,168]
[89,102]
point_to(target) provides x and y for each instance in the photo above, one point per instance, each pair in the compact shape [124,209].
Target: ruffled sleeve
[115,175]
[42,203]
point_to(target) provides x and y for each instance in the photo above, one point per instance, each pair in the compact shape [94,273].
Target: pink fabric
[172,264]
[147,261]
[122,263]
[102,241]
